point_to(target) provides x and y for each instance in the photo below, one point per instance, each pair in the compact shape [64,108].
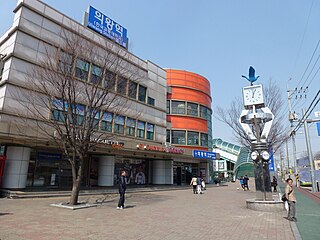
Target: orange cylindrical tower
[189,110]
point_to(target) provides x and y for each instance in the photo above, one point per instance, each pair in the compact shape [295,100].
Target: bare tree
[74,88]
[273,100]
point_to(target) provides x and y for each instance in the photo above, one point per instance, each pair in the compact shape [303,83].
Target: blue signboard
[271,160]
[318,127]
[204,154]
[107,27]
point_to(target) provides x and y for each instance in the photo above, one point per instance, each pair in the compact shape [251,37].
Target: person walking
[291,196]
[199,185]
[246,182]
[194,184]
[122,189]
[274,183]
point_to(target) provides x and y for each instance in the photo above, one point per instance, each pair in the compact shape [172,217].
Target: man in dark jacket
[122,189]
[245,182]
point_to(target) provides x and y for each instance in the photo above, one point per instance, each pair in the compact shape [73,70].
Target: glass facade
[192,109]
[193,138]
[178,107]
[141,129]
[178,137]
[82,69]
[130,126]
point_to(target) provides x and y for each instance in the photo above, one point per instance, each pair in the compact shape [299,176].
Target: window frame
[87,65]
[142,98]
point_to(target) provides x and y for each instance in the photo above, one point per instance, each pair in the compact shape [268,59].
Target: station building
[155,148]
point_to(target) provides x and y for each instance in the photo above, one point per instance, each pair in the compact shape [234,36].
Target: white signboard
[317,114]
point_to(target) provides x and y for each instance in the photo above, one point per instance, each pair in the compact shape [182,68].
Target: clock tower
[256,121]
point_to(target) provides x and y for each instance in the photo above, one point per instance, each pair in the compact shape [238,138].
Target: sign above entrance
[204,154]
[160,149]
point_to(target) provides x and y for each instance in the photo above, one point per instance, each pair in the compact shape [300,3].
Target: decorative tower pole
[256,121]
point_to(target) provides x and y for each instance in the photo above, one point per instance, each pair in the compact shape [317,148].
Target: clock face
[253,95]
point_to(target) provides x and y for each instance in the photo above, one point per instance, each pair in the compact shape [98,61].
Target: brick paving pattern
[219,213]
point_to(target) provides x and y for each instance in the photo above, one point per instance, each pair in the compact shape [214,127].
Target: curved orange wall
[187,79]
[190,95]
[190,87]
[188,123]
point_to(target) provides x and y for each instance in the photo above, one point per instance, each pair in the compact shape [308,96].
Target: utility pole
[306,130]
[299,94]
[287,157]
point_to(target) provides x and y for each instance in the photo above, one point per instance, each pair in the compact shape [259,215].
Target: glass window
[151,101]
[78,117]
[110,80]
[130,126]
[203,112]
[106,122]
[150,131]
[192,109]
[122,86]
[204,139]
[82,69]
[142,93]
[168,106]
[168,136]
[141,129]
[119,124]
[65,63]
[95,116]
[58,115]
[193,138]
[178,107]
[58,110]
[95,75]
[132,93]
[178,137]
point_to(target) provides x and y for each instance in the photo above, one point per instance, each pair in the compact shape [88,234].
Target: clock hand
[253,91]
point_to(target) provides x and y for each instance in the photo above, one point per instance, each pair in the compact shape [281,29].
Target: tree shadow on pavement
[3,214]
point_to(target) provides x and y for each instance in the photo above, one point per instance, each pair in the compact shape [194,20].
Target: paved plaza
[219,213]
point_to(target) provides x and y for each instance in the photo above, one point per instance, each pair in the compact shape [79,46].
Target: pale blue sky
[217,39]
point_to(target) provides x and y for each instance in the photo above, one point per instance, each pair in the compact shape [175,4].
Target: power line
[304,33]
[311,69]
[314,51]
[307,113]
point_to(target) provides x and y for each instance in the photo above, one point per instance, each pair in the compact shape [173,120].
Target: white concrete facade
[106,171]
[16,167]
[162,172]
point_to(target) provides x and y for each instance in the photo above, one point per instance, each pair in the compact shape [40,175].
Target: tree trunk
[75,191]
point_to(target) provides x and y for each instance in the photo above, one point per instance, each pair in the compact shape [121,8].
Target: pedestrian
[194,184]
[122,189]
[246,182]
[274,183]
[291,196]
[203,184]
[199,185]
[241,182]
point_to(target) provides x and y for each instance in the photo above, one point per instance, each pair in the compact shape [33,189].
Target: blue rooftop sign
[107,27]
[204,154]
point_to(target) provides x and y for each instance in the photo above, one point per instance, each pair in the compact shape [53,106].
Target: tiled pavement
[219,213]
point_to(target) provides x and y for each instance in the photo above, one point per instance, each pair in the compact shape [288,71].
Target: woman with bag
[194,184]
[291,199]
